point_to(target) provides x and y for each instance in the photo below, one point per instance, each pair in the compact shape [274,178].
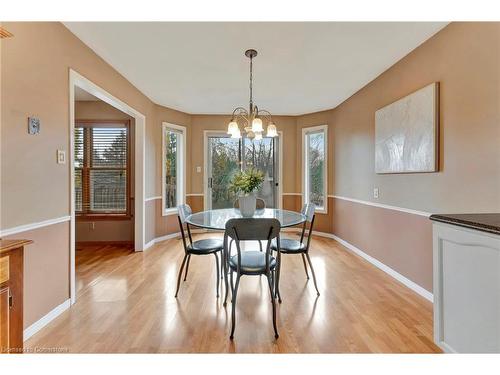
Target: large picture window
[314,159]
[173,164]
[102,168]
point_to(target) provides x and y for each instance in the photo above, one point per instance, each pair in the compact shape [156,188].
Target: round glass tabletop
[216,219]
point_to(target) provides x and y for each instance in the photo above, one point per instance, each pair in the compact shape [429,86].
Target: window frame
[96,215]
[305,171]
[181,167]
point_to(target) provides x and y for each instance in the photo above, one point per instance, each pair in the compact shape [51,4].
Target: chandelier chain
[251,79]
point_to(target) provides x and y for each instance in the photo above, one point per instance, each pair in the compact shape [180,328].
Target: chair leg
[312,271]
[231,282]
[273,302]
[226,283]
[180,274]
[233,312]
[217,267]
[305,265]
[187,267]
[277,282]
[221,264]
[273,282]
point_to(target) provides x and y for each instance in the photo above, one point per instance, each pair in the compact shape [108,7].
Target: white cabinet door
[466,290]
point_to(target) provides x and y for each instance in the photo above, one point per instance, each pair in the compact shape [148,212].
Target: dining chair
[201,247]
[251,263]
[291,246]
[260,204]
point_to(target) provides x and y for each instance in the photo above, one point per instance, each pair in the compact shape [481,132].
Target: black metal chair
[291,246]
[260,204]
[200,247]
[252,262]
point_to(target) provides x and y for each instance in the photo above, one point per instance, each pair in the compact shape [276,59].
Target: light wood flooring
[126,304]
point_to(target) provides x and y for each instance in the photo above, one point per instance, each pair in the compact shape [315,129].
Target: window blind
[101,168]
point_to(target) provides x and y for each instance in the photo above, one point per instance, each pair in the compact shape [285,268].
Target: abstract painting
[406,133]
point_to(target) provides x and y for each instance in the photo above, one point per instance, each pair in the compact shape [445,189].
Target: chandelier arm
[242,116]
[241,111]
[266,114]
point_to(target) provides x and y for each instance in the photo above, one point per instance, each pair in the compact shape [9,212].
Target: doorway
[225,156]
[77,81]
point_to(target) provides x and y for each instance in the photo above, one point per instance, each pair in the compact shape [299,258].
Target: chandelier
[251,120]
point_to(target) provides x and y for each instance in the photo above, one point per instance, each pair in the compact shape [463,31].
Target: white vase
[247,205]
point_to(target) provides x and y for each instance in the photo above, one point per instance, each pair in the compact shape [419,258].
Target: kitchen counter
[489,223]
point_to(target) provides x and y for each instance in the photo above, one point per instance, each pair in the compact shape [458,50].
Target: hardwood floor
[126,304]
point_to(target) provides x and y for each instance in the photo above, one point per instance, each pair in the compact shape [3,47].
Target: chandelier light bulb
[257,125]
[236,134]
[232,127]
[271,130]
[258,136]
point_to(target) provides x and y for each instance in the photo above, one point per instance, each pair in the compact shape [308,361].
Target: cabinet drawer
[4,269]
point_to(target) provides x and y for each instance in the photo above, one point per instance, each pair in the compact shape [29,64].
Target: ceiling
[301,67]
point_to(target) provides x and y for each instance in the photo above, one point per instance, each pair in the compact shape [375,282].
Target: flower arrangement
[246,182]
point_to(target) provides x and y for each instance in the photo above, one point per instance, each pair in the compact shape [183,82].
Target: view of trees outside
[260,155]
[106,173]
[225,163]
[226,156]
[316,161]
[172,140]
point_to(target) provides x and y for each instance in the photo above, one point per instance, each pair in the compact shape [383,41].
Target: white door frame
[76,79]
[206,134]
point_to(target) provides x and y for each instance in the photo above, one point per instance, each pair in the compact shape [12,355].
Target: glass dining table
[217,219]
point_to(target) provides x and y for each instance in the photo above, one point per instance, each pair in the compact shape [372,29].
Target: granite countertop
[484,222]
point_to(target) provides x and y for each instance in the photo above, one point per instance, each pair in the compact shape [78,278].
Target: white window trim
[305,131]
[181,168]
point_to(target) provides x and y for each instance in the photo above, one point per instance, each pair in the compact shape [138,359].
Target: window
[173,165]
[314,167]
[102,168]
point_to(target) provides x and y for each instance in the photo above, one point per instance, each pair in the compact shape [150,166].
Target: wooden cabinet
[11,295]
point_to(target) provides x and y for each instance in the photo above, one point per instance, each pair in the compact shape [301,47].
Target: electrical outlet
[375,193]
[61,157]
[198,169]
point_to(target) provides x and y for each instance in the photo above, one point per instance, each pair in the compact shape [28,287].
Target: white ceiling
[301,67]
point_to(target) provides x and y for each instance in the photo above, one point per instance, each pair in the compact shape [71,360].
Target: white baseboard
[42,322]
[388,270]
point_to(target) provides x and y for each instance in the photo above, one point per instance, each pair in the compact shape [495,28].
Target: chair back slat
[250,229]
[308,211]
[184,210]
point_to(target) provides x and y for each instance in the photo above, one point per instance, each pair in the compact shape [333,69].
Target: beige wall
[465,59]
[46,270]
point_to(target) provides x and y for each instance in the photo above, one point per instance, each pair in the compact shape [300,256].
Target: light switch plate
[375,193]
[61,157]
[33,125]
